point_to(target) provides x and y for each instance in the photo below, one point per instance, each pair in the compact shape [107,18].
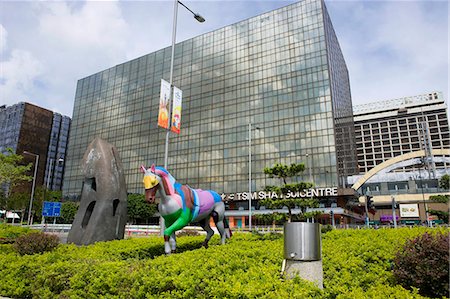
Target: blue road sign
[51,209]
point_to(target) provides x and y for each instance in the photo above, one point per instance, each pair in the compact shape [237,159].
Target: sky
[392,48]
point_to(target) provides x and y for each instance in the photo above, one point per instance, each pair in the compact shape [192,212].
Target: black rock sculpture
[102,214]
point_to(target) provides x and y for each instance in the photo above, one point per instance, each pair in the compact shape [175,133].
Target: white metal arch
[396,160]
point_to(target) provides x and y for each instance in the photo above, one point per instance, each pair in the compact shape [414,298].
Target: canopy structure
[9,215]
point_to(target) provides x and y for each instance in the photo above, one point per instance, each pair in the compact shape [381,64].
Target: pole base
[307,270]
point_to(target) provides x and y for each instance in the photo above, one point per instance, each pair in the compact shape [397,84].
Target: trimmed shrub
[35,243]
[356,264]
[326,228]
[188,233]
[9,233]
[423,263]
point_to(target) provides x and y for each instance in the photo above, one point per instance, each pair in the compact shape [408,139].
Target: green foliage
[9,233]
[440,198]
[35,242]
[139,209]
[53,195]
[269,219]
[283,172]
[17,201]
[326,228]
[12,173]
[444,182]
[423,263]
[185,233]
[356,264]
[68,211]
[444,216]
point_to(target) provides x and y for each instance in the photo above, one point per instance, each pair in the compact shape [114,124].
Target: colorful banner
[176,110]
[163,115]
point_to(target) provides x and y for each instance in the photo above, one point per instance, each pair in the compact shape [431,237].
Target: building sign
[409,210]
[306,193]
[51,209]
[388,218]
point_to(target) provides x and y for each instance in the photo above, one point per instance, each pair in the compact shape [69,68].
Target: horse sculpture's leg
[209,232]
[170,243]
[181,222]
[166,245]
[173,242]
[218,215]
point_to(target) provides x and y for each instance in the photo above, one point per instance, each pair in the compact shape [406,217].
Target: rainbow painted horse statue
[180,205]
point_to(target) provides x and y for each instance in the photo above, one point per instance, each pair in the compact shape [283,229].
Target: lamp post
[422,163]
[309,168]
[200,19]
[394,216]
[34,185]
[250,175]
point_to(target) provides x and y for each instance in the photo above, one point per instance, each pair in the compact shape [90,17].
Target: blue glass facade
[57,149]
[10,122]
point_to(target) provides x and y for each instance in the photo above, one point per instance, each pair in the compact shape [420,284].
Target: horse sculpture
[181,205]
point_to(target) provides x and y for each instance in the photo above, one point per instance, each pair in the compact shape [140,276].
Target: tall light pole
[394,216]
[422,163]
[34,185]
[250,175]
[309,168]
[174,34]
[48,175]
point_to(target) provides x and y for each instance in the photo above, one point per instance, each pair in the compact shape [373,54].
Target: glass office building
[282,71]
[57,151]
[25,127]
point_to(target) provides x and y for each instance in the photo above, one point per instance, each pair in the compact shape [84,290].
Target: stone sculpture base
[307,270]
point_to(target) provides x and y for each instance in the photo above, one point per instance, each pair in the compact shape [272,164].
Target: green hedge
[8,233]
[356,263]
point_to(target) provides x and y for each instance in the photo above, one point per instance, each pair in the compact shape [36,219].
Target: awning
[10,215]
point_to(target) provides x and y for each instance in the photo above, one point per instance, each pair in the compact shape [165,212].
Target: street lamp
[309,168]
[34,184]
[422,163]
[394,216]
[250,175]
[174,33]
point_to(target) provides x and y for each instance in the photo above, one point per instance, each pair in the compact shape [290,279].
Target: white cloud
[18,75]
[393,48]
[3,38]
[96,26]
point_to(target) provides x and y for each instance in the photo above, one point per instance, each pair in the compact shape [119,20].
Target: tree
[12,173]
[68,211]
[139,209]
[285,173]
[17,202]
[444,182]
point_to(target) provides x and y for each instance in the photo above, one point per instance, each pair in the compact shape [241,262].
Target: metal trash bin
[302,241]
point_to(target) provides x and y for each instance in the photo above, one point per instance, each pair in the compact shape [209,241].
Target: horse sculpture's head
[151,183]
